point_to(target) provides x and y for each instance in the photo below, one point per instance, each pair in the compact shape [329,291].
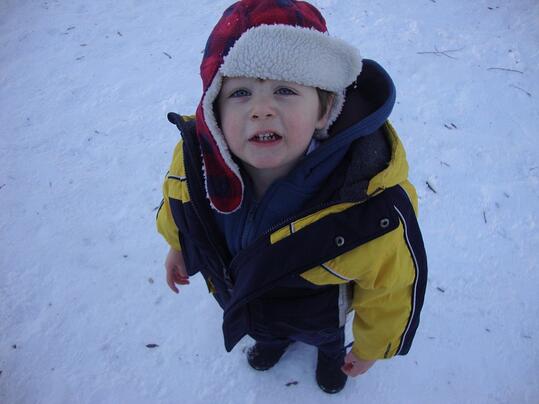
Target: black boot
[263,356]
[329,375]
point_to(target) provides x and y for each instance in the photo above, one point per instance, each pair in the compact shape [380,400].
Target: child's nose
[256,115]
[262,108]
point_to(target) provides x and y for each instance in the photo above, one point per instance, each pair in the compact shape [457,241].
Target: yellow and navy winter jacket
[355,245]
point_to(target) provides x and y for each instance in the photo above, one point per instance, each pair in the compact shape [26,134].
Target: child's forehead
[227,79]
[234,81]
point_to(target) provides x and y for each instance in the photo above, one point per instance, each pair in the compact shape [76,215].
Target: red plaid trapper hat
[246,42]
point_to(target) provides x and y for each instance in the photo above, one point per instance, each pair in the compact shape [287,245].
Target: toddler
[289,194]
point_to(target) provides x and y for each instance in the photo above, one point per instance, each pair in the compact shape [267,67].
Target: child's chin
[267,163]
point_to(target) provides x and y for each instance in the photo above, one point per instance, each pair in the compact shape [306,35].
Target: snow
[84,144]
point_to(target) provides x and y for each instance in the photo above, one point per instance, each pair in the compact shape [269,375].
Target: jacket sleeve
[389,295]
[174,187]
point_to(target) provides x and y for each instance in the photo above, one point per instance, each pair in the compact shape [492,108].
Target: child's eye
[240,93]
[285,91]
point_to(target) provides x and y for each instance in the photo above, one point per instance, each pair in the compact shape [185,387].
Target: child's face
[268,124]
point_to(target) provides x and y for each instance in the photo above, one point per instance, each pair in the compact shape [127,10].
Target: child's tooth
[266,136]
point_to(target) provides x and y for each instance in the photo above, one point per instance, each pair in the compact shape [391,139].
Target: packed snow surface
[84,145]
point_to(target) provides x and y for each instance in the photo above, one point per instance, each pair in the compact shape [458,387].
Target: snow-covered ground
[84,144]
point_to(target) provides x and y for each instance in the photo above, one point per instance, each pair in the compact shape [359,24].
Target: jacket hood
[369,102]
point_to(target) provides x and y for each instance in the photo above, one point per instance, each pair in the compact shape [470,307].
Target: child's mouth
[266,137]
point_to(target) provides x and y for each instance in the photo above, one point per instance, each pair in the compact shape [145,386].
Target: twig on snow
[521,89]
[431,187]
[441,52]
[505,69]
[167,55]
[485,216]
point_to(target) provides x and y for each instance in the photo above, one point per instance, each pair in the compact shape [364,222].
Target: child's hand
[353,366]
[176,273]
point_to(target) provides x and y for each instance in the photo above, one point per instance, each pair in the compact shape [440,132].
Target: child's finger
[181,279]
[181,270]
[171,284]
